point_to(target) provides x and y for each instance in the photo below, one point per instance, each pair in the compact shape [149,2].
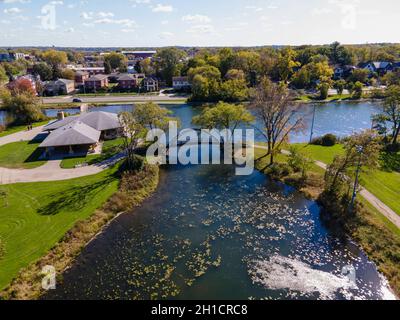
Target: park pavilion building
[81,134]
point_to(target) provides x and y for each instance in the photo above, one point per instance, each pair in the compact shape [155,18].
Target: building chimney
[60,115]
[84,108]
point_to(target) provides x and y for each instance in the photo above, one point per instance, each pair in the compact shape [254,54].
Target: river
[209,234]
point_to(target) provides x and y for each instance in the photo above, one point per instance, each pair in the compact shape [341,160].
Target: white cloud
[201,28]
[163,8]
[12,11]
[197,18]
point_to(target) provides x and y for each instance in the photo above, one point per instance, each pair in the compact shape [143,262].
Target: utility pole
[356,182]
[313,123]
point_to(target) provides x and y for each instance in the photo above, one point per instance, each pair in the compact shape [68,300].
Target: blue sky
[196,22]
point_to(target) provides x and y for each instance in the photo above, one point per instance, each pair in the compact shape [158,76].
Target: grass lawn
[110,148]
[35,216]
[20,155]
[15,129]
[310,98]
[384,185]
[320,153]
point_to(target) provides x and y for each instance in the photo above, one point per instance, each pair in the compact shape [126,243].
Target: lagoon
[209,234]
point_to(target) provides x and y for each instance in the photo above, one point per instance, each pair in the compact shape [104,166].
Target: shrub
[279,170]
[328,140]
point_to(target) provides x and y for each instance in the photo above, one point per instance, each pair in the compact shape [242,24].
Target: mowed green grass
[35,216]
[110,148]
[384,185]
[320,153]
[15,129]
[20,155]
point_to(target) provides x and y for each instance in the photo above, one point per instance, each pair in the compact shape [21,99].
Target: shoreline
[73,105]
[27,285]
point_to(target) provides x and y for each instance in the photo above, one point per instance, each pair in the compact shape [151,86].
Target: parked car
[77,100]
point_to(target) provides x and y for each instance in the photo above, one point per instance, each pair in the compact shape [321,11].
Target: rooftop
[98,120]
[74,133]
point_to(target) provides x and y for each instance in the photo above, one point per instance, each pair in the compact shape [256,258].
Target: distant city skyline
[157,23]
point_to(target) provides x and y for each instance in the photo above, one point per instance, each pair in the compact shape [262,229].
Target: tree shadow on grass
[75,198]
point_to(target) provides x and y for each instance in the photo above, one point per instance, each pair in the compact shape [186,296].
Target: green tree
[249,62]
[55,59]
[24,107]
[146,67]
[235,74]
[299,161]
[3,76]
[323,88]
[114,61]
[358,90]
[151,115]
[359,75]
[286,64]
[234,90]
[280,117]
[339,85]
[339,54]
[44,71]
[223,116]
[136,125]
[226,58]
[391,110]
[68,74]
[206,83]
[169,62]
[360,149]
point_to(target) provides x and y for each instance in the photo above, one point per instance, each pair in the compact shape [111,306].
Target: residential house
[59,87]
[81,77]
[127,82]
[97,82]
[31,78]
[396,66]
[11,56]
[180,83]
[379,67]
[343,72]
[150,84]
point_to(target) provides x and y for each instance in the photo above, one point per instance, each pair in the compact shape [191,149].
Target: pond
[341,119]
[209,234]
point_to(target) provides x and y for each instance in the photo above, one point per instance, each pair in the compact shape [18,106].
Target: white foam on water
[284,273]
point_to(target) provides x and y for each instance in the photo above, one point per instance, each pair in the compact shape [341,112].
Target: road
[115,99]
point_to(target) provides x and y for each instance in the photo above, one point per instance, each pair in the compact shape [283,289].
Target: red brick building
[127,82]
[97,82]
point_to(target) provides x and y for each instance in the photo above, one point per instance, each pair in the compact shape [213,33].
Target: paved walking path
[21,136]
[373,200]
